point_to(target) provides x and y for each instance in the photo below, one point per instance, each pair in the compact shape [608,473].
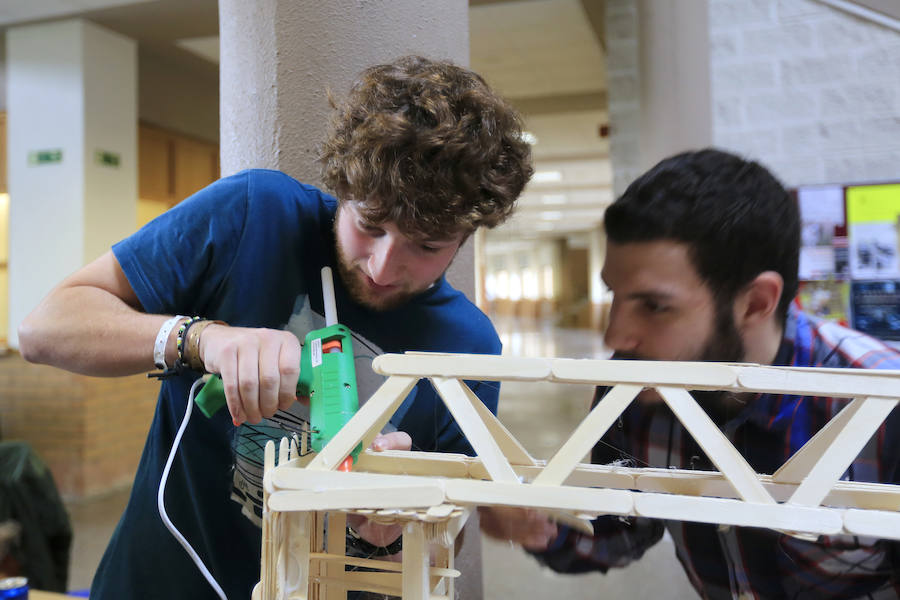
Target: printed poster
[873,224]
[826,299]
[822,220]
[876,308]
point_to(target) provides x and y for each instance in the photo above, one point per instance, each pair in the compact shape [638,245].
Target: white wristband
[162,339]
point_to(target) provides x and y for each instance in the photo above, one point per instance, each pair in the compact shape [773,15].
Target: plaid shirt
[744,562]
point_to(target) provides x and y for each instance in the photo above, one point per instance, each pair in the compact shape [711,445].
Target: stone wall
[812,91]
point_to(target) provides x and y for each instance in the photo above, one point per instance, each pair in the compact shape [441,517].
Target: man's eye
[371,229]
[430,249]
[655,307]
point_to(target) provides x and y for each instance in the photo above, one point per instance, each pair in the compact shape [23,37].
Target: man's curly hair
[428,146]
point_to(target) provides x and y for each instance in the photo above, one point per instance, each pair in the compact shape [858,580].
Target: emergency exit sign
[45,157]
[105,158]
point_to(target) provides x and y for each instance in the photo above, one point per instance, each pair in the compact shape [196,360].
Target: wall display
[873,219]
[823,245]
[828,299]
[876,308]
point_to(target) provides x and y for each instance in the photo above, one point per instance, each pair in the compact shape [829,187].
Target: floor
[540,416]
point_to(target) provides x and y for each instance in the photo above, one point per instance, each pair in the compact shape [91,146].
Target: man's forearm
[88,330]
[616,543]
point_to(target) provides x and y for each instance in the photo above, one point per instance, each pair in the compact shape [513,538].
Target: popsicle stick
[578,500]
[735,512]
[416,585]
[514,452]
[398,496]
[874,523]
[697,375]
[372,416]
[451,390]
[840,383]
[463,366]
[849,441]
[716,446]
[336,544]
[586,435]
[797,467]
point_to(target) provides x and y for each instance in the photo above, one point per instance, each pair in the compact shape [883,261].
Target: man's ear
[758,301]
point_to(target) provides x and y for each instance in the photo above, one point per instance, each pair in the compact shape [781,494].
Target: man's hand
[372,532]
[259,368]
[528,528]
[396,440]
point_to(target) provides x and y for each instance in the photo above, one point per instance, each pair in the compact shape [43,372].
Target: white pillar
[658,66]
[72,152]
[676,99]
[598,290]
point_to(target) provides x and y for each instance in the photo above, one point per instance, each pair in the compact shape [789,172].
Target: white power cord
[160,504]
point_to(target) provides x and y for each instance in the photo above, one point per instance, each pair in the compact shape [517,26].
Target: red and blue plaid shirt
[743,562]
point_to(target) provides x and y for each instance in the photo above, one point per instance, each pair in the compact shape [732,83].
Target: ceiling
[546,56]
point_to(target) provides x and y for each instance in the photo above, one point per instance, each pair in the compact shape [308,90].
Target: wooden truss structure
[431,494]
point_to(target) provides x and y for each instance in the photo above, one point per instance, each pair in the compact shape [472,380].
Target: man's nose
[384,261]
[620,336]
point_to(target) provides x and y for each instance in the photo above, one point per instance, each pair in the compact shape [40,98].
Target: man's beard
[724,345]
[354,281]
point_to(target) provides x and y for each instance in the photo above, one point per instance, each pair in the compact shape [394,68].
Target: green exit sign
[105,158]
[45,157]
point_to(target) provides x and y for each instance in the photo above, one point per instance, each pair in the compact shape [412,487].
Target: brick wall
[810,90]
[90,431]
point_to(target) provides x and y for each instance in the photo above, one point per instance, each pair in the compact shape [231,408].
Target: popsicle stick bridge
[432,494]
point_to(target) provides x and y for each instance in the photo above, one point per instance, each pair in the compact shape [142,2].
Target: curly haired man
[419,156]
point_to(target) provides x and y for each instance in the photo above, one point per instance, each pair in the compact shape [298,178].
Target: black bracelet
[367,548]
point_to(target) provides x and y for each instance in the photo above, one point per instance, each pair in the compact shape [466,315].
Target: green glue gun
[327,378]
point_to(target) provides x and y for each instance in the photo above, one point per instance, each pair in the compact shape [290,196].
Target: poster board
[850,256]
[823,241]
[873,220]
[876,308]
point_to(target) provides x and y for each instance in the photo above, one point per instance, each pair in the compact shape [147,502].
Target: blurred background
[112,111]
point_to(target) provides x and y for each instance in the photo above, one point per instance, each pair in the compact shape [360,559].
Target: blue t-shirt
[249,250]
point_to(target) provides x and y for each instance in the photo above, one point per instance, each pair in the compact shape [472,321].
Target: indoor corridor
[540,415]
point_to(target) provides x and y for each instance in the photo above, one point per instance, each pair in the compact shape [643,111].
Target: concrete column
[658,64]
[598,290]
[479,259]
[279,59]
[72,145]
[675,78]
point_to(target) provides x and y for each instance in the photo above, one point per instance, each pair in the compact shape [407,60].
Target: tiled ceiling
[546,56]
